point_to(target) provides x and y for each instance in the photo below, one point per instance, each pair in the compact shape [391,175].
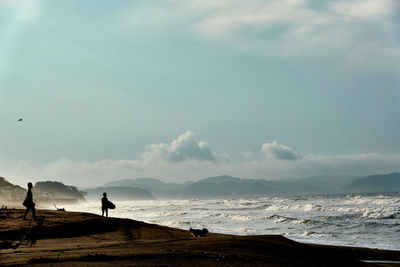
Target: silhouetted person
[104,204]
[28,202]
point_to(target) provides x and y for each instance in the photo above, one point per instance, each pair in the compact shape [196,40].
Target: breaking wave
[353,220]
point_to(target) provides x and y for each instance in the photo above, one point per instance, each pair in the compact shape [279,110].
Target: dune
[80,239]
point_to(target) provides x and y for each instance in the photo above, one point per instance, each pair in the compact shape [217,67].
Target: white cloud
[99,172]
[188,159]
[184,148]
[366,9]
[294,26]
[288,27]
[236,17]
[276,151]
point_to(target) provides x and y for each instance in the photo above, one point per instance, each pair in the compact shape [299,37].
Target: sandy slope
[82,239]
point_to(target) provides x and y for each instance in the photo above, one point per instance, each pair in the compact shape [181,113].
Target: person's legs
[33,212]
[106,212]
[102,211]
[26,212]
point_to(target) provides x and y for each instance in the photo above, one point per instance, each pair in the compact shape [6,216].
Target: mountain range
[377,183]
[224,186]
[228,186]
[10,192]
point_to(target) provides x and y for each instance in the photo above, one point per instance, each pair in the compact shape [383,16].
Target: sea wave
[363,220]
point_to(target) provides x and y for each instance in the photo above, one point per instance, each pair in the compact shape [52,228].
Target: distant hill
[212,187]
[377,183]
[5,184]
[228,186]
[147,183]
[119,193]
[221,179]
[10,192]
[51,191]
[225,186]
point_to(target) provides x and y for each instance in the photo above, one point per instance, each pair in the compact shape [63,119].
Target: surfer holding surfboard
[106,204]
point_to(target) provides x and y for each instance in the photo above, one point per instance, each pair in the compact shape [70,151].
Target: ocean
[371,221]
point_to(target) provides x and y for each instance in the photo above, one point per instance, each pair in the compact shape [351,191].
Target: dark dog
[198,232]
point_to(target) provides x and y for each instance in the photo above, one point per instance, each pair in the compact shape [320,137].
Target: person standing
[104,205]
[28,202]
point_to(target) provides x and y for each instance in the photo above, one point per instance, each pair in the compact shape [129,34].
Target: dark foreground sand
[81,239]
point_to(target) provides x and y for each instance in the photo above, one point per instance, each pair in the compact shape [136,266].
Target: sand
[60,238]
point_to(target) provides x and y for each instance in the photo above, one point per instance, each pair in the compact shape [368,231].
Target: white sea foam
[363,220]
[301,221]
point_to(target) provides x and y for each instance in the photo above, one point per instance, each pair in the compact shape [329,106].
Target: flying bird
[20,120]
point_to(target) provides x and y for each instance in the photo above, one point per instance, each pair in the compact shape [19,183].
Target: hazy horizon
[184,90]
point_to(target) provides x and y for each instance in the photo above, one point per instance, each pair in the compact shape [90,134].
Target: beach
[81,239]
[369,221]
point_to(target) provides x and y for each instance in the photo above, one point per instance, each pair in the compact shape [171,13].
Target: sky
[185,89]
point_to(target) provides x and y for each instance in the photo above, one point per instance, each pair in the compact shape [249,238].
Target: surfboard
[110,205]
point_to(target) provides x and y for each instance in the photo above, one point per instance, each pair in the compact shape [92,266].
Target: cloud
[357,29]
[84,173]
[186,158]
[366,9]
[296,26]
[276,151]
[185,147]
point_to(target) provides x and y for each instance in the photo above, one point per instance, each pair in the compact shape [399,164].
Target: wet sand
[61,238]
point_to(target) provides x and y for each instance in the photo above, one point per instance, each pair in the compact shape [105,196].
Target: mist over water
[351,220]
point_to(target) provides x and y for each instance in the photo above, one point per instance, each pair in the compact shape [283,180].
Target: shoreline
[307,227]
[312,242]
[334,244]
[79,239]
